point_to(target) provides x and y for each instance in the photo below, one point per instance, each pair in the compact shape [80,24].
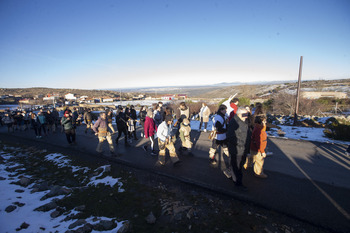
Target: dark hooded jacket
[238,136]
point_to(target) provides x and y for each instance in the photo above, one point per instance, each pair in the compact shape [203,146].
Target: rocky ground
[77,194]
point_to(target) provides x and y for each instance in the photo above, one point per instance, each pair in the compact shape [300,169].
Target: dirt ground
[154,203]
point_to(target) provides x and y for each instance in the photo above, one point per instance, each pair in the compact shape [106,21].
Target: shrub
[244,101]
[337,129]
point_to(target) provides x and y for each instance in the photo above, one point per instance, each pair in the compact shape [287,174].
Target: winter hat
[66,113]
[186,121]
[168,118]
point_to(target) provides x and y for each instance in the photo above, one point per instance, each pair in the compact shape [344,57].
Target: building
[70,96]
[107,100]
[139,97]
[182,96]
[51,97]
[168,97]
[24,101]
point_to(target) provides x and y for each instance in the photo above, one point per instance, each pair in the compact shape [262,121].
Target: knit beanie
[66,113]
[168,118]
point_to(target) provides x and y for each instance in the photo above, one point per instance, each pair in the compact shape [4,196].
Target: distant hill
[256,90]
[30,92]
[221,90]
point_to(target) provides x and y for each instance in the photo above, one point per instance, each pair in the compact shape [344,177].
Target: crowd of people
[241,133]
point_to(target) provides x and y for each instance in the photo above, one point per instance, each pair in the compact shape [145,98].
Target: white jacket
[164,131]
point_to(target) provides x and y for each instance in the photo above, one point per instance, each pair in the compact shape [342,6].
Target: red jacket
[259,139]
[150,127]
[234,111]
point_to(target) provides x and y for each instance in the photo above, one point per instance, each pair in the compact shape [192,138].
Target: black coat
[143,115]
[121,120]
[238,136]
[133,114]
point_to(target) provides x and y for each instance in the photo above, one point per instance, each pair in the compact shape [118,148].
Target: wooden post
[298,91]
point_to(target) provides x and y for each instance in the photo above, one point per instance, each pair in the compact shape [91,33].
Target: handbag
[212,135]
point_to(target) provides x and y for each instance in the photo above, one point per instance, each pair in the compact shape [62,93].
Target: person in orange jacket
[257,147]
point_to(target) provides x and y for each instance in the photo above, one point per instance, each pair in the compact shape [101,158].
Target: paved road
[307,180]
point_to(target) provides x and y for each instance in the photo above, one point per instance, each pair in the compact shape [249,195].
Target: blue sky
[121,44]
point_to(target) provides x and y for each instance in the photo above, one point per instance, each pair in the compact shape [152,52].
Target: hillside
[257,91]
[211,91]
[29,92]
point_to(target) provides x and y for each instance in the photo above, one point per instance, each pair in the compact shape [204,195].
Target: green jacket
[67,123]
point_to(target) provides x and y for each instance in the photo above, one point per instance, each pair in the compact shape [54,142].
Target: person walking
[150,130]
[164,134]
[121,122]
[220,140]
[75,115]
[184,112]
[19,121]
[68,125]
[257,147]
[142,116]
[26,119]
[239,137]
[56,118]
[133,118]
[43,121]
[50,121]
[8,121]
[234,105]
[110,119]
[157,115]
[101,130]
[185,136]
[88,119]
[35,123]
[204,114]
[161,110]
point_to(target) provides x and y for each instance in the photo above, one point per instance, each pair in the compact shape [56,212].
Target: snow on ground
[304,133]
[38,221]
[292,132]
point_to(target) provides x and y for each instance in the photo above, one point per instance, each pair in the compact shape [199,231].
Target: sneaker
[144,148]
[159,164]
[177,163]
[227,173]
[262,175]
[233,176]
[212,161]
[205,130]
[153,153]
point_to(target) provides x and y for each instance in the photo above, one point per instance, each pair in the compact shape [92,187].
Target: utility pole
[298,91]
